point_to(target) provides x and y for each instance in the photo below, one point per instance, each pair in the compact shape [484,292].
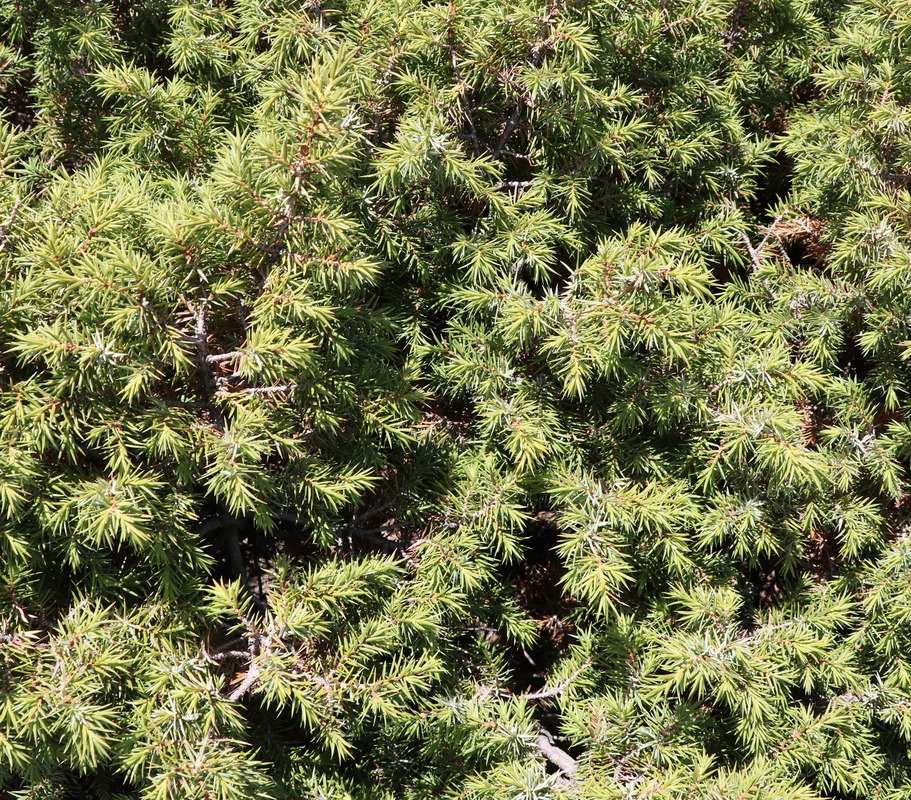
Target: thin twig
[754,256]
[218,358]
[756,252]
[245,685]
[5,228]
[556,691]
[289,387]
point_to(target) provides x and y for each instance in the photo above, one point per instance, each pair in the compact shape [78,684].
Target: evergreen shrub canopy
[482,399]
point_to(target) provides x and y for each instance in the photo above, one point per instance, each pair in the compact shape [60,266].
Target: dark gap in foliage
[536,587]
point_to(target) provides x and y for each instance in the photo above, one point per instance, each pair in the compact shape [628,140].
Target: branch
[5,228]
[246,684]
[754,256]
[256,646]
[236,557]
[350,529]
[507,131]
[768,232]
[227,523]
[202,356]
[227,655]
[288,387]
[513,184]
[562,760]
[756,252]
[621,764]
[556,691]
[217,359]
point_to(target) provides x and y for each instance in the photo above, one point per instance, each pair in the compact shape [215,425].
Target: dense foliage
[472,399]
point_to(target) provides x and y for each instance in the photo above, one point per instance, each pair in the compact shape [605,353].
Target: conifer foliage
[455,399]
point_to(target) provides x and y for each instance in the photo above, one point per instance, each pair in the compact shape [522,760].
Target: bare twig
[202,358]
[218,358]
[513,184]
[289,387]
[754,256]
[621,764]
[507,131]
[246,684]
[227,655]
[770,231]
[556,691]
[562,760]
[5,228]
[756,252]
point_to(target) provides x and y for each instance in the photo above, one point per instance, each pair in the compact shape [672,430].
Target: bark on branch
[562,760]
